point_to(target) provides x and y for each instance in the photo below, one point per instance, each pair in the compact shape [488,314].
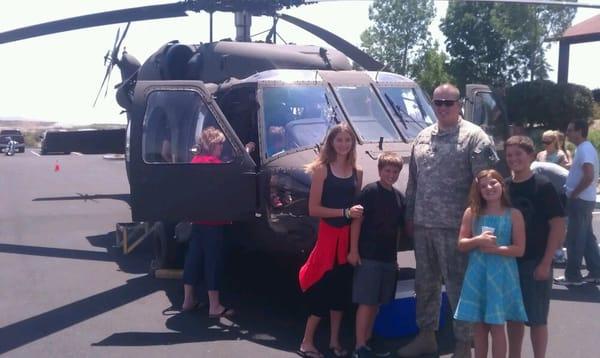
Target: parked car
[14,134]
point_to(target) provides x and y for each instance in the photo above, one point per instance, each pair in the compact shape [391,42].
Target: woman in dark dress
[326,277]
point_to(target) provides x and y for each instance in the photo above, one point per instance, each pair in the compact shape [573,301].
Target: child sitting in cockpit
[276,142]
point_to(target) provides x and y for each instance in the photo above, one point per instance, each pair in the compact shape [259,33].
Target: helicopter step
[129,235]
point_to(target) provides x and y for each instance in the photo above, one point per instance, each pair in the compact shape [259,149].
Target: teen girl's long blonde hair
[476,202]
[554,137]
[328,155]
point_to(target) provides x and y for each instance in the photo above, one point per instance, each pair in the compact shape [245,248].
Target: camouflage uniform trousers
[438,258]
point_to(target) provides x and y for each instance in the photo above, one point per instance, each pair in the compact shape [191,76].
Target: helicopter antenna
[281,38]
[260,33]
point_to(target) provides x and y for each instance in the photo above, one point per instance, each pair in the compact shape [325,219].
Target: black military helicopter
[281,98]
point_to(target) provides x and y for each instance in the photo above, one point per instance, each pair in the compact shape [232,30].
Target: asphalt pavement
[66,290]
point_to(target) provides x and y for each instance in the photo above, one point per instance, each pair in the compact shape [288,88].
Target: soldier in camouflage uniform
[446,156]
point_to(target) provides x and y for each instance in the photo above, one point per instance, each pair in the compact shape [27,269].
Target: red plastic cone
[56,167]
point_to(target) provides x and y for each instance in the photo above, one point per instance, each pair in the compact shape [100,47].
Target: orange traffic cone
[56,166]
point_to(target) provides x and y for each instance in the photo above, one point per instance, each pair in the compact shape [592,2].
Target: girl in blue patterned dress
[494,234]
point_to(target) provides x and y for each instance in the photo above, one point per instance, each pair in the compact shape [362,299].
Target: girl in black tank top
[338,193]
[326,277]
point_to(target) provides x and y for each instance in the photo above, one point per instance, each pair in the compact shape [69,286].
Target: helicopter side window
[294,117]
[174,130]
[488,114]
[366,113]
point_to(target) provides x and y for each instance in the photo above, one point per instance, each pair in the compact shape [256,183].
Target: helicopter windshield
[412,109]
[294,117]
[366,113]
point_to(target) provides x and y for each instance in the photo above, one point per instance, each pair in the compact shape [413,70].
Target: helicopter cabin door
[486,109]
[185,161]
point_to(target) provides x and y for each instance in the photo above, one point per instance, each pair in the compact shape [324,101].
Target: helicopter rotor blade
[112,60]
[107,80]
[106,77]
[118,46]
[521,2]
[151,12]
[104,18]
[117,38]
[534,2]
[348,49]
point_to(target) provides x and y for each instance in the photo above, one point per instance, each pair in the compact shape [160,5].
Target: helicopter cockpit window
[413,111]
[294,117]
[179,128]
[366,113]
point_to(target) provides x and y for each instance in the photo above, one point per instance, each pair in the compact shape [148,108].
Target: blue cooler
[399,317]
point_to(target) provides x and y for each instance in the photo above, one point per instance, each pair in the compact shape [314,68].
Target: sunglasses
[445,102]
[547,142]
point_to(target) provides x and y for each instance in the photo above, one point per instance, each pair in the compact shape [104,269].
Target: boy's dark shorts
[374,282]
[536,294]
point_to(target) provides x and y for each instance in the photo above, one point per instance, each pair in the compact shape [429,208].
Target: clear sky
[56,77]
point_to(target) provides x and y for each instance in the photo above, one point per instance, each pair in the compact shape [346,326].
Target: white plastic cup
[488,228]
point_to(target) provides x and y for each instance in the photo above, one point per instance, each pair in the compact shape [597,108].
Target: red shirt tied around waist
[208,159]
[330,249]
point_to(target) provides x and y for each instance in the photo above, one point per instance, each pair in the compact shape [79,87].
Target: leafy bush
[32,138]
[596,95]
[596,111]
[594,137]
[544,103]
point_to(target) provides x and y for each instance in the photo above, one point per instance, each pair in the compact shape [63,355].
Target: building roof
[588,30]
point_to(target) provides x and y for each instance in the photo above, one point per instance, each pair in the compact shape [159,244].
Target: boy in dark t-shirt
[373,243]
[537,199]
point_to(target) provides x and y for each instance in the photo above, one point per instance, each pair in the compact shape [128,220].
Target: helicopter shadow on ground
[44,324]
[136,262]
[269,310]
[261,289]
[86,197]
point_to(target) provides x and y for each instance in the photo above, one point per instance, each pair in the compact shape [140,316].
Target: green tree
[478,50]
[501,43]
[528,29]
[430,68]
[399,31]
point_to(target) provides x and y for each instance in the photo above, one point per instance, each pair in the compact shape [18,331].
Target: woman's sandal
[338,352]
[309,354]
[226,312]
[192,307]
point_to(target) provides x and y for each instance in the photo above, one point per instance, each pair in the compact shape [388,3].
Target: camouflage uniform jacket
[442,167]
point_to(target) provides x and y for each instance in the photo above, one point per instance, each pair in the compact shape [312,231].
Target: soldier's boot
[424,343]
[462,349]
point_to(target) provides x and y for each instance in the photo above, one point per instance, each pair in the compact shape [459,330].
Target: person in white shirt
[580,189]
